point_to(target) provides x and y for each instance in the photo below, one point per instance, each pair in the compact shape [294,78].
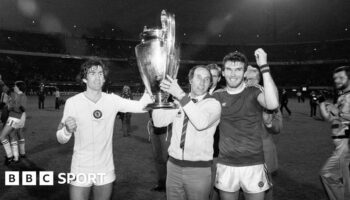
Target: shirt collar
[238,91]
[198,98]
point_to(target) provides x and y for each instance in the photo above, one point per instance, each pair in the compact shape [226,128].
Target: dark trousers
[57,104]
[313,108]
[4,115]
[301,99]
[284,105]
[160,153]
[126,123]
[41,103]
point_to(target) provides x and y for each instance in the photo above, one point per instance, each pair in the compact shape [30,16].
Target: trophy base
[166,105]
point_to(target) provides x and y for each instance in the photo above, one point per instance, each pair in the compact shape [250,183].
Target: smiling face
[341,80]
[200,81]
[94,78]
[233,73]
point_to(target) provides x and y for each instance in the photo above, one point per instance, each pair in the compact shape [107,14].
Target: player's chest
[90,112]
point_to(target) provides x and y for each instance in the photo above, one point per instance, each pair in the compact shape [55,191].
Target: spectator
[41,96]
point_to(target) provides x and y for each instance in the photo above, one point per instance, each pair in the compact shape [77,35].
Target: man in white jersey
[90,116]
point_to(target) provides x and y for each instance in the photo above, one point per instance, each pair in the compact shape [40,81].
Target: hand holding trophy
[157,57]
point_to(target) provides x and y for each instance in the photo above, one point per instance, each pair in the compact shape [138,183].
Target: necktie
[184,128]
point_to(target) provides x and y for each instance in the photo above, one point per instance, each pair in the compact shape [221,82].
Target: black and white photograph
[175,100]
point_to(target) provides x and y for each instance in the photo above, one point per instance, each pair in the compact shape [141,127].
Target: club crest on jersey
[261,184]
[97,114]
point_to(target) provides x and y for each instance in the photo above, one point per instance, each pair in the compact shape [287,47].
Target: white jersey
[93,151]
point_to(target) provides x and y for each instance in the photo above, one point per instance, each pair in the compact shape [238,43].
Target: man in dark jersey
[241,157]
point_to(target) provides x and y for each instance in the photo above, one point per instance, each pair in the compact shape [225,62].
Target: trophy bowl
[157,57]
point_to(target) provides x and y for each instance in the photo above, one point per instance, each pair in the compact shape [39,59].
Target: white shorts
[90,179]
[14,123]
[252,179]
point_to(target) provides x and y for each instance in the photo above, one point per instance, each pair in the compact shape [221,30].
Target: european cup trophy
[157,57]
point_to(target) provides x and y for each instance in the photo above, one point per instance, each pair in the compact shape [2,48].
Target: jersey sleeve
[203,117]
[63,136]
[163,117]
[132,106]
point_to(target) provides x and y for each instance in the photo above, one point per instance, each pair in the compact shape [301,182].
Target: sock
[21,145]
[7,148]
[14,147]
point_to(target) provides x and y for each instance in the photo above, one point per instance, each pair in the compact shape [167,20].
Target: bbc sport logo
[46,178]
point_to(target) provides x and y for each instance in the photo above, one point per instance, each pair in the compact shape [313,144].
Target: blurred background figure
[284,102]
[215,71]
[41,96]
[4,100]
[313,103]
[126,117]
[57,99]
[160,140]
[300,96]
[16,120]
[1,82]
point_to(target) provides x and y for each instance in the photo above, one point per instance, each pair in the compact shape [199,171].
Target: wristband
[264,68]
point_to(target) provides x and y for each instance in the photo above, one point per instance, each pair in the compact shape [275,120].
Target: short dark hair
[193,69]
[235,57]
[343,68]
[21,86]
[84,69]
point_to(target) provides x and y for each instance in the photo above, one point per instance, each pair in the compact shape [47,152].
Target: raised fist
[260,57]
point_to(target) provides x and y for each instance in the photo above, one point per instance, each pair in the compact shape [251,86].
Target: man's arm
[328,111]
[202,117]
[273,121]
[163,117]
[132,106]
[269,97]
[67,125]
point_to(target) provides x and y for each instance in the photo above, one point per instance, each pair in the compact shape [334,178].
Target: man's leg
[164,158]
[197,182]
[346,175]
[79,193]
[311,110]
[159,161]
[174,184]
[124,125]
[332,179]
[14,145]
[5,142]
[128,122]
[281,108]
[103,192]
[21,142]
[254,196]
[229,195]
[288,110]
[214,193]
